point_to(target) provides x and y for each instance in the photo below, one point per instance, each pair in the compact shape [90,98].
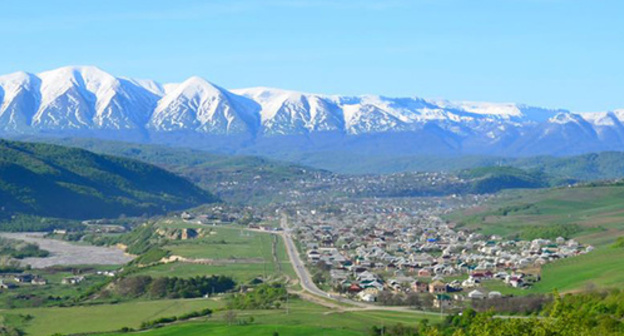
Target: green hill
[494,179]
[586,167]
[55,181]
[258,180]
[590,214]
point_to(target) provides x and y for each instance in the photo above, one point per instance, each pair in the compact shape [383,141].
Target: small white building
[494,295]
[476,295]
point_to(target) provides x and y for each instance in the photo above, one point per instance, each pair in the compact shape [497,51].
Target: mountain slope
[54,181]
[234,179]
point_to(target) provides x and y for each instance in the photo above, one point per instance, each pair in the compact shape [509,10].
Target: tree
[413,300]
[230,317]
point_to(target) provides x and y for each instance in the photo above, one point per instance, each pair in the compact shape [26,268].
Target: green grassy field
[597,211]
[303,318]
[101,318]
[300,318]
[601,268]
[226,243]
[213,329]
[233,251]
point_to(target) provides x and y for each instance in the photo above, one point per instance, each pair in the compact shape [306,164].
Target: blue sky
[555,53]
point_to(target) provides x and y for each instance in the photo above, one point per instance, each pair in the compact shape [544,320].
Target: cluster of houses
[13,281]
[23,279]
[421,253]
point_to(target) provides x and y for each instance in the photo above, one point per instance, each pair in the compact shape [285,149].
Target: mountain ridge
[86,101]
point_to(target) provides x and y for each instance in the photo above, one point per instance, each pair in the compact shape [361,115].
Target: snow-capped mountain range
[86,101]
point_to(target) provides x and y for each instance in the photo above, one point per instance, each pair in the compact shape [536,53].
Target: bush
[265,296]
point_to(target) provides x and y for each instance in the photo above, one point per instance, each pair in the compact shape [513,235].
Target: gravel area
[65,253]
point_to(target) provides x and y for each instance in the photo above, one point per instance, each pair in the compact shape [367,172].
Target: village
[374,250]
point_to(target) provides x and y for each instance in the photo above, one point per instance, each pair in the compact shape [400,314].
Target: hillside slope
[234,179]
[55,181]
[494,179]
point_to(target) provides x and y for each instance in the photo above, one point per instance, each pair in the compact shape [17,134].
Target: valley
[411,248]
[312,168]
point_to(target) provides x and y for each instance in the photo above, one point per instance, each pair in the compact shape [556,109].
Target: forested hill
[56,181]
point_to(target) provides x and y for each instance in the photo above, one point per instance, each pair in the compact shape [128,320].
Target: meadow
[597,211]
[229,250]
[100,318]
[298,317]
[224,243]
[301,318]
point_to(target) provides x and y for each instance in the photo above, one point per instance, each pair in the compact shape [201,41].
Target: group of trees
[265,296]
[184,317]
[10,265]
[514,305]
[20,250]
[30,223]
[174,287]
[551,231]
[587,314]
[415,300]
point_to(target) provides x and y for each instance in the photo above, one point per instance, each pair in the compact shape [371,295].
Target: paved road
[304,276]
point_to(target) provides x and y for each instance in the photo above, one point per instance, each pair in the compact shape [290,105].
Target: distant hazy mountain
[86,101]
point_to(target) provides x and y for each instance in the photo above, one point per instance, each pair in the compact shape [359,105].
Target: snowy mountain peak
[93,102]
[565,117]
[196,86]
[17,79]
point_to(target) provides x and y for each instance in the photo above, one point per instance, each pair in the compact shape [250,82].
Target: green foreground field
[298,318]
[98,318]
[301,318]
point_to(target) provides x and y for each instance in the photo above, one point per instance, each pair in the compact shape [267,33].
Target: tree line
[173,287]
[586,314]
